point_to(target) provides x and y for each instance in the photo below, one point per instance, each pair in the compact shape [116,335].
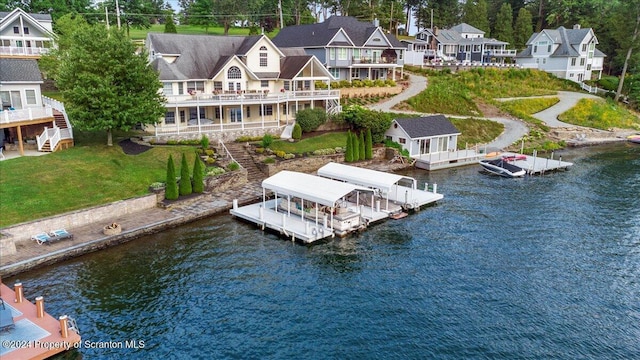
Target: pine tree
[475,13]
[368,144]
[523,28]
[171,191]
[198,176]
[503,29]
[356,147]
[185,178]
[348,153]
[169,25]
[362,146]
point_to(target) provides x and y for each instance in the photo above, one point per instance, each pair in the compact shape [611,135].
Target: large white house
[567,53]
[234,83]
[25,35]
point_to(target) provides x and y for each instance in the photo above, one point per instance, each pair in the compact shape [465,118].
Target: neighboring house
[349,48]
[224,83]
[567,53]
[462,43]
[26,115]
[424,135]
[25,35]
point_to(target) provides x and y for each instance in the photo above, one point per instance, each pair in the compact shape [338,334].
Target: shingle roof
[39,17]
[568,41]
[291,65]
[320,34]
[17,70]
[427,126]
[466,28]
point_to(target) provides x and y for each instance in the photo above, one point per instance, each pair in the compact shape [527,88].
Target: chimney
[376,22]
[576,26]
[435,31]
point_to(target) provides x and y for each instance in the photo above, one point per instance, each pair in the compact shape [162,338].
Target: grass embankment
[537,137]
[601,114]
[476,131]
[86,175]
[324,141]
[455,94]
[141,34]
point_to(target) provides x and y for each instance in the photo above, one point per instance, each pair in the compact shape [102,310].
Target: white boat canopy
[363,177]
[309,187]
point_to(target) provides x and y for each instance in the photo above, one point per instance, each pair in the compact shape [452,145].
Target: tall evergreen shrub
[296,134]
[171,191]
[368,145]
[185,178]
[198,176]
[348,153]
[356,147]
[362,147]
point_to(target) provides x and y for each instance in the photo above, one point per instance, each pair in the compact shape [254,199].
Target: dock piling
[235,204]
[64,326]
[17,288]
[39,307]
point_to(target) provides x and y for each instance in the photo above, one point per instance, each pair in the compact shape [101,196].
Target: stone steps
[241,155]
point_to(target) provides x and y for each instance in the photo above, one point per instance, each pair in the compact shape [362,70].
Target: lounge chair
[41,238]
[61,234]
[6,317]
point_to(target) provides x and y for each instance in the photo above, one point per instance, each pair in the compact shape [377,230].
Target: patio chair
[41,238]
[6,317]
[61,234]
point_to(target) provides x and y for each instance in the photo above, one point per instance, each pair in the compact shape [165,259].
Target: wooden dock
[535,165]
[34,334]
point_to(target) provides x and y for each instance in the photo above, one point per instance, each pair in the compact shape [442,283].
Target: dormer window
[16,30]
[234,73]
[263,56]
[26,30]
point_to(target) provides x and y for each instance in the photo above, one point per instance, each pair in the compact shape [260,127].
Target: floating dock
[535,165]
[28,332]
[309,208]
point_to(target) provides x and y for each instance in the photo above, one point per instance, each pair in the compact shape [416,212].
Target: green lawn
[476,131]
[140,34]
[524,108]
[324,141]
[601,114]
[86,175]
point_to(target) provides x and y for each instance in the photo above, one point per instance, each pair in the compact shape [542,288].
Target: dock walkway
[535,165]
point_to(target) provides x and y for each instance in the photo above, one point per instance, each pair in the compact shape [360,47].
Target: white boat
[502,167]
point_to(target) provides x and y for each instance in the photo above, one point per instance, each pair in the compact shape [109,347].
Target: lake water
[535,268]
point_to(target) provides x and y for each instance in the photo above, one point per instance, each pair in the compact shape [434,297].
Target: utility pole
[280,9]
[118,13]
[106,15]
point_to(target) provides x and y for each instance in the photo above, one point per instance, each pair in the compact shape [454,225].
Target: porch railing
[57,105]
[219,127]
[53,135]
[227,154]
[500,52]
[22,51]
[9,116]
[226,98]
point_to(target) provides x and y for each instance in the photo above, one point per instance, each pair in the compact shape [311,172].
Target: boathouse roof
[427,126]
[310,187]
[361,176]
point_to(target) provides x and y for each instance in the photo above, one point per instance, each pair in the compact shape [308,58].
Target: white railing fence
[228,154]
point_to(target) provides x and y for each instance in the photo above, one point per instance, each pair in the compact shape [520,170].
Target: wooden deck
[32,337]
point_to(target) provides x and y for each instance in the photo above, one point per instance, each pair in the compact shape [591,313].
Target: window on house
[573,61]
[581,61]
[263,56]
[535,48]
[400,54]
[548,48]
[476,48]
[170,117]
[287,85]
[402,140]
[234,73]
[167,88]
[217,85]
[335,72]
[31,97]
[584,47]
[16,30]
[544,60]
[264,83]
[180,89]
[183,116]
[356,54]
[235,114]
[332,54]
[342,54]
[570,74]
[355,73]
[195,86]
[5,43]
[248,112]
[389,138]
[217,113]
[588,67]
[26,30]
[268,110]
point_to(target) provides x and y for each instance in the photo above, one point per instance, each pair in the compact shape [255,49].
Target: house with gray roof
[567,53]
[27,115]
[25,34]
[350,49]
[218,84]
[462,43]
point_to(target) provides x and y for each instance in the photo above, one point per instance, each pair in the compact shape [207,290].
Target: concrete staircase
[243,158]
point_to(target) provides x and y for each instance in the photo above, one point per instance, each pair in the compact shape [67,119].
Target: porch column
[221,115]
[20,145]
[262,113]
[177,119]
[241,112]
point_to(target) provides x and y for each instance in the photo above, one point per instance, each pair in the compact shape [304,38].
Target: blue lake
[532,268]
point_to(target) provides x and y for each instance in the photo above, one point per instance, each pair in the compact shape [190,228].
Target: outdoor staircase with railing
[243,158]
[61,135]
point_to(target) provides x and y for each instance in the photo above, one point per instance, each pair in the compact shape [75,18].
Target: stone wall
[226,181]
[370,91]
[226,136]
[23,232]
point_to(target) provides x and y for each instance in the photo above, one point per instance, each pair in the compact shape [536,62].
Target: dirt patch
[132,148]
[489,110]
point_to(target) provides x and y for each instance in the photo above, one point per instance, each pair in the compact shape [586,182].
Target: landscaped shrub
[362,147]
[280,153]
[348,154]
[233,166]
[310,119]
[209,152]
[198,176]
[356,147]
[296,134]
[267,140]
[259,150]
[214,171]
[328,151]
[368,145]
[362,118]
[171,193]
[185,178]
[204,142]
[288,156]
[269,160]
[210,161]
[242,139]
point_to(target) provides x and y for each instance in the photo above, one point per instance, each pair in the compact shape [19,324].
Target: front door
[425,145]
[235,114]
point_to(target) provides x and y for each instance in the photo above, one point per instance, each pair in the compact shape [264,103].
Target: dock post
[435,188]
[426,186]
[324,220]
[284,221]
[235,204]
[17,288]
[377,206]
[306,227]
[64,326]
[39,307]
[261,213]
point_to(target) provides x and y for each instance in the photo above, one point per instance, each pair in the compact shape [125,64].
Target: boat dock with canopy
[309,208]
[392,190]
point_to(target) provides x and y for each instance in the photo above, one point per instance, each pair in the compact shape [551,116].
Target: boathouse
[393,190]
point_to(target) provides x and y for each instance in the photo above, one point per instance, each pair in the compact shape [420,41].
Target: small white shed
[424,135]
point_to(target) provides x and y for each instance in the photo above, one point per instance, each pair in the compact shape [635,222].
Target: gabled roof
[321,34]
[467,29]
[36,20]
[292,65]
[448,37]
[19,70]
[427,126]
[35,16]
[568,41]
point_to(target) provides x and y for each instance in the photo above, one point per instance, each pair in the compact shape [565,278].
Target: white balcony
[14,116]
[248,97]
[502,53]
[22,51]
